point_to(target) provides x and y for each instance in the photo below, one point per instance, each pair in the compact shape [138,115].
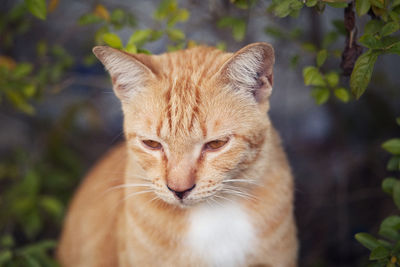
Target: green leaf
[390,28]
[337,4]
[165,8]
[139,37]
[321,57]
[7,241]
[226,22]
[180,16]
[390,227]
[332,78]
[373,26]
[312,76]
[342,94]
[395,3]
[379,253]
[239,30]
[175,34]
[392,146]
[22,70]
[286,7]
[393,49]
[377,3]
[37,8]
[274,32]
[362,7]
[5,256]
[367,240]
[394,164]
[131,48]
[29,90]
[369,40]
[89,19]
[52,206]
[329,38]
[311,3]
[398,121]
[309,47]
[321,95]
[112,40]
[396,194]
[362,73]
[388,184]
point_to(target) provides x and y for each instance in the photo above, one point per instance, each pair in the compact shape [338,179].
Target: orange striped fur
[184,203]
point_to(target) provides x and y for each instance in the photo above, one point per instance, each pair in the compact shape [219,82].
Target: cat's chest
[222,235]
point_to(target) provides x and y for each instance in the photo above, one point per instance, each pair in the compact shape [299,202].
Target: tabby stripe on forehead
[168,108]
[195,112]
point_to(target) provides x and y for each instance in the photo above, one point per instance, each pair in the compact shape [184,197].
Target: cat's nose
[181,194]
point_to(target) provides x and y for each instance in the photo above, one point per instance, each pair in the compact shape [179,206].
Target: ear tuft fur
[251,69]
[127,72]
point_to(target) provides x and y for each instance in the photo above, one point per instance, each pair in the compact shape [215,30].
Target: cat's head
[195,120]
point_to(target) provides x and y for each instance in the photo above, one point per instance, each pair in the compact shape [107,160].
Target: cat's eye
[215,144]
[152,144]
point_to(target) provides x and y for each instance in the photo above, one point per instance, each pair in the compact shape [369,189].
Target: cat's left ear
[251,69]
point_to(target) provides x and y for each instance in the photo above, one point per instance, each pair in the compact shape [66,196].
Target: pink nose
[181,194]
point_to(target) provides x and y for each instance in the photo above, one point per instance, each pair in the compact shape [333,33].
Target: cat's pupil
[152,144]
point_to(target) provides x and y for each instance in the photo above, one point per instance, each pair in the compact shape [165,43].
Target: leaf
[396,194]
[342,94]
[373,26]
[139,37]
[332,78]
[131,48]
[369,40]
[88,19]
[309,47]
[398,121]
[221,46]
[29,90]
[5,256]
[379,253]
[329,38]
[52,206]
[394,49]
[392,146]
[312,76]
[311,3]
[377,3]
[22,70]
[165,8]
[362,7]
[37,8]
[320,95]
[395,3]
[180,16]
[390,227]
[362,72]
[175,34]
[101,11]
[337,4]
[394,164]
[321,57]
[239,30]
[112,40]
[390,28]
[367,240]
[388,184]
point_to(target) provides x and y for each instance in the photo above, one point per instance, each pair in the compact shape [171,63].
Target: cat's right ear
[128,72]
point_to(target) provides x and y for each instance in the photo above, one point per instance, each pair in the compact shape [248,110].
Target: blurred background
[58,114]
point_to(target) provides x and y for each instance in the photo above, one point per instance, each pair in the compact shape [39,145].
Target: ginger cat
[201,180]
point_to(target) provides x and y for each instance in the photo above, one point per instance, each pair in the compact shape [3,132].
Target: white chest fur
[222,235]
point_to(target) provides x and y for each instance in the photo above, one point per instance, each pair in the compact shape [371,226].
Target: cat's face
[194,120]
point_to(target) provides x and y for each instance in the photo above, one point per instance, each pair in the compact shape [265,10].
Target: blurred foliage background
[58,114]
